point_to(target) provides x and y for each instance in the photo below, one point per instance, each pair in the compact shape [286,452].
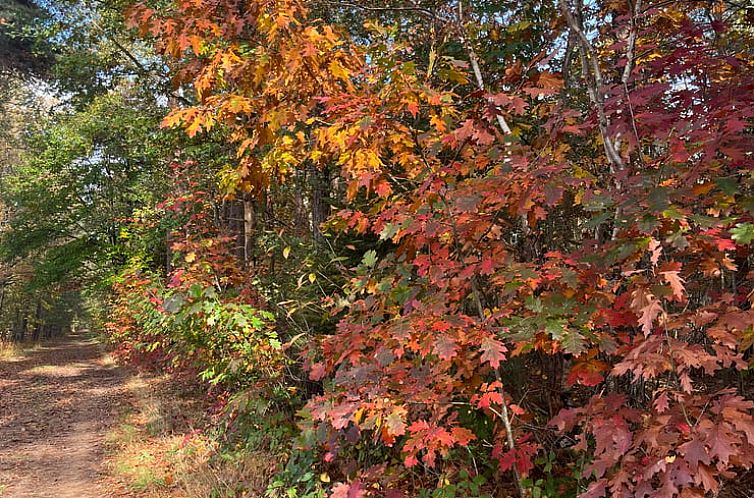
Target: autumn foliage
[560,233]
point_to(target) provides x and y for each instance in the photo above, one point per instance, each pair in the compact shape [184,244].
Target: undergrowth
[166,445]
[9,350]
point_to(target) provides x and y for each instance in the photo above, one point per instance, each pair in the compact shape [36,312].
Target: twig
[474,59]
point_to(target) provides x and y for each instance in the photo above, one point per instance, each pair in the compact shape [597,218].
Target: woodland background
[405,248]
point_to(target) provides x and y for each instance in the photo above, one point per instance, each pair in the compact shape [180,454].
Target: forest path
[57,401]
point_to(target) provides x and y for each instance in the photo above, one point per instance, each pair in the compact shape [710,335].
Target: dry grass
[199,472]
[156,452]
[9,350]
[140,445]
[17,351]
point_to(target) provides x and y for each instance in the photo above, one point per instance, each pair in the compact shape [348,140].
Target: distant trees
[80,152]
[18,50]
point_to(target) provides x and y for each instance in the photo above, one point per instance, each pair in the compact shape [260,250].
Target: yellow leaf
[190,257]
[172,119]
[648,58]
[312,277]
[324,477]
[194,128]
[286,252]
[337,70]
[357,415]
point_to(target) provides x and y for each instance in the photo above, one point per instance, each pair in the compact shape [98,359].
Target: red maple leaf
[492,352]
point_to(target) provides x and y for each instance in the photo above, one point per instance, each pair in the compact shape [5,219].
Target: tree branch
[474,59]
[594,88]
[630,51]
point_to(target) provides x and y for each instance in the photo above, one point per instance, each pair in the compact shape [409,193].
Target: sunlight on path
[56,403]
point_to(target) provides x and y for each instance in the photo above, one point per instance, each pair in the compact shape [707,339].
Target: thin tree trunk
[301,219]
[249,222]
[17,326]
[2,297]
[37,321]
[319,180]
[23,325]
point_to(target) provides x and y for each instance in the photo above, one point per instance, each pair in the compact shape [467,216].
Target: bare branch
[630,51]
[631,48]
[474,59]
[419,10]
[594,88]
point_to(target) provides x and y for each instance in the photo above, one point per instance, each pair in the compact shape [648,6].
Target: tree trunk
[235,226]
[37,321]
[249,224]
[300,203]
[2,298]
[319,180]
[22,321]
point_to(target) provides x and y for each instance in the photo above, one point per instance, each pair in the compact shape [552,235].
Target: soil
[57,402]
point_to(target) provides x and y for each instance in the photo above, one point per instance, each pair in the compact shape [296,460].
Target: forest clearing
[376,248]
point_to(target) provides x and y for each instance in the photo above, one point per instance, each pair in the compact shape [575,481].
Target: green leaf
[556,328]
[174,303]
[534,304]
[743,233]
[573,343]
[728,185]
[389,231]
[370,258]
[599,219]
[747,203]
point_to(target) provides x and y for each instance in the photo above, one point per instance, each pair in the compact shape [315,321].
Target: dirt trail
[56,404]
